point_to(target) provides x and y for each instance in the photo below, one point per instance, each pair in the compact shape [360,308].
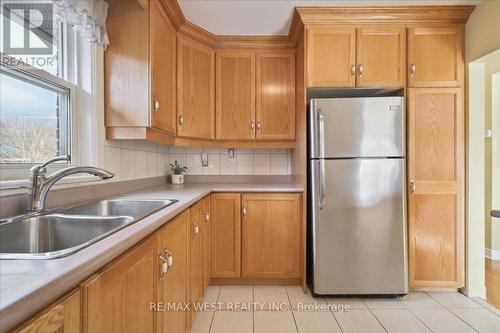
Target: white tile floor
[439,312]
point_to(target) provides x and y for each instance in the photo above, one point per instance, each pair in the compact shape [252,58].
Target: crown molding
[399,14]
[302,16]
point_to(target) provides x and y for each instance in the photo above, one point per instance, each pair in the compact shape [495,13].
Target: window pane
[33,119]
[32,35]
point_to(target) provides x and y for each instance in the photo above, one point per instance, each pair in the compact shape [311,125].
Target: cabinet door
[206,242]
[381,56]
[196,256]
[63,317]
[275,116]
[118,300]
[173,285]
[163,63]
[235,100]
[270,235]
[331,56]
[436,175]
[225,235]
[435,57]
[195,89]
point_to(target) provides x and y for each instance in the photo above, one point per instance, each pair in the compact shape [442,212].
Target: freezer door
[357,127]
[358,226]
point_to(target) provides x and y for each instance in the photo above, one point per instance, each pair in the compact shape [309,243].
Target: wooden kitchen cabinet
[196,256]
[381,56]
[118,300]
[163,63]
[331,56]
[62,317]
[225,234]
[435,57]
[436,187]
[275,93]
[235,95]
[195,89]
[206,241]
[270,235]
[139,68]
[173,286]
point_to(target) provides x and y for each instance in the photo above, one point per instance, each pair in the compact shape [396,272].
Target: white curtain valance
[88,17]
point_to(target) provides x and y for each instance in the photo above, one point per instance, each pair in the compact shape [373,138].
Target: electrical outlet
[488,133]
[230,153]
[204,159]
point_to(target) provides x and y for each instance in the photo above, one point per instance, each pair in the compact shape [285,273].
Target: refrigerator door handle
[321,181]
[321,134]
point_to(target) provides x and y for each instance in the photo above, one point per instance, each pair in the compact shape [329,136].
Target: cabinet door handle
[166,263]
[244,209]
[353,70]
[252,125]
[170,258]
[196,230]
[413,187]
[258,125]
[413,69]
[360,71]
[156,104]
[207,217]
[181,120]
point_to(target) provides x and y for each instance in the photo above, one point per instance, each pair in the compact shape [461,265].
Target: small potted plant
[177,173]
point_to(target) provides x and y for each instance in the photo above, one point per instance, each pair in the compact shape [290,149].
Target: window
[35,89]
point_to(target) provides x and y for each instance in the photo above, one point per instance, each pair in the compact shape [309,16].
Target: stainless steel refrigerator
[357,208]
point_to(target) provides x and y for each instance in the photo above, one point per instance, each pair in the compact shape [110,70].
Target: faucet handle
[40,168]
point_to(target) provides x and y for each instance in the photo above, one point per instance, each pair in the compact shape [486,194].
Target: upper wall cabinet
[371,56]
[380,56]
[235,95]
[275,112]
[139,68]
[435,57]
[195,89]
[331,56]
[162,58]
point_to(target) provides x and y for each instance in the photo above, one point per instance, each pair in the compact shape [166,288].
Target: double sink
[64,231]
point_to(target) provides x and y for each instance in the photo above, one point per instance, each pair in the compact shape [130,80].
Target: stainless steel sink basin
[61,233]
[137,208]
[54,235]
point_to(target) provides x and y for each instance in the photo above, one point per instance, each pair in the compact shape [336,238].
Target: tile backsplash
[132,159]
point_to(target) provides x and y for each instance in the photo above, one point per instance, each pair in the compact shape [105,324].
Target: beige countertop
[26,286]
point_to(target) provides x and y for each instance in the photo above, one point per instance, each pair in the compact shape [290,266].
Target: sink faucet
[41,183]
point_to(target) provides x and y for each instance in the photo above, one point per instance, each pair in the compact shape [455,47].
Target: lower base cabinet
[119,299]
[62,317]
[270,235]
[255,236]
[173,241]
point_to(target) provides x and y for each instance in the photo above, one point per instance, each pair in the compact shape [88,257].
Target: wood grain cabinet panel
[225,234]
[275,114]
[381,56]
[196,256]
[195,89]
[235,95]
[63,317]
[163,63]
[173,286]
[271,235]
[436,199]
[435,57]
[118,300]
[206,241]
[331,56]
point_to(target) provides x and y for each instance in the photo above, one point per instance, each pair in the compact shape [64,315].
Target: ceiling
[272,17]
